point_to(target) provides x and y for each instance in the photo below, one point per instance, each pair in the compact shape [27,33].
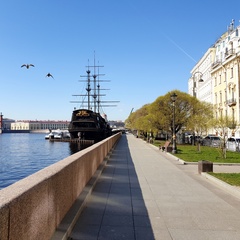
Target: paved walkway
[145,194]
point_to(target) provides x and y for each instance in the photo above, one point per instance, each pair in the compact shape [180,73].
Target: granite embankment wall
[33,207]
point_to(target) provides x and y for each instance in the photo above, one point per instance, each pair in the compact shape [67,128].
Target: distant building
[38,125]
[116,124]
[6,123]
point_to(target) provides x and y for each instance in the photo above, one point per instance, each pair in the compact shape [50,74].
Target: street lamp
[174,97]
[194,81]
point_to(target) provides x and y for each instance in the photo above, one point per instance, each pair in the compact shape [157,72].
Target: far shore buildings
[216,78]
[42,126]
[30,125]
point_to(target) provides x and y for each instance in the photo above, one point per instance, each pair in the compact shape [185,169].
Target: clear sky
[147,48]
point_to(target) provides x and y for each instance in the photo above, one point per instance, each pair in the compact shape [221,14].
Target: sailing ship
[87,123]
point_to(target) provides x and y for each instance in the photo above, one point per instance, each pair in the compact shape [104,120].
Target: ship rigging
[87,122]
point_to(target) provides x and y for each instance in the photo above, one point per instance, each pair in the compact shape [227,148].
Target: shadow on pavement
[116,209]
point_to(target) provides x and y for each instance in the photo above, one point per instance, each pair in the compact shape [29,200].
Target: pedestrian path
[145,194]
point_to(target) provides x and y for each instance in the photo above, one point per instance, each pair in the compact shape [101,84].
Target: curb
[233,190]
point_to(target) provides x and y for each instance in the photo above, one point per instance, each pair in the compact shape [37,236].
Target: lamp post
[194,81]
[174,97]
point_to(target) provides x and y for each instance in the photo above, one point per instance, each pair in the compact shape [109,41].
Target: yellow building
[39,125]
[225,78]
[215,78]
[20,126]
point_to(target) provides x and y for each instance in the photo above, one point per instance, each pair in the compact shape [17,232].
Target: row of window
[228,98]
[223,44]
[35,128]
[38,127]
[219,78]
[219,114]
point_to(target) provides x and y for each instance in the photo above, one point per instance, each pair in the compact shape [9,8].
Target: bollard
[205,166]
[169,149]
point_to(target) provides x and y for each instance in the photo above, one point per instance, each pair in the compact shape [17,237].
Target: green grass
[190,153]
[230,178]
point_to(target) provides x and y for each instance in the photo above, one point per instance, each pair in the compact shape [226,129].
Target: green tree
[223,125]
[201,117]
[138,121]
[163,109]
[158,116]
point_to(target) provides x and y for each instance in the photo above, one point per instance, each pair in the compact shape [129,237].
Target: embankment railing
[33,207]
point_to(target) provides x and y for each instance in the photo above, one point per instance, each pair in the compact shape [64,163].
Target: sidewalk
[145,194]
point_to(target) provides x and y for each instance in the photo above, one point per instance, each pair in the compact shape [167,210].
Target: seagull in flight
[27,65]
[49,75]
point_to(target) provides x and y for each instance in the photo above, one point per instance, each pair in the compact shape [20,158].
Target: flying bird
[27,65]
[49,75]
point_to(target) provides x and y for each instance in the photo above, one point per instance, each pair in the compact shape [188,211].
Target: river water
[22,154]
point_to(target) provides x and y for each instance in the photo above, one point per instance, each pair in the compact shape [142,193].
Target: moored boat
[88,125]
[58,134]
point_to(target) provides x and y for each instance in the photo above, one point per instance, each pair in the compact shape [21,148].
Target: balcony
[216,63]
[229,53]
[231,102]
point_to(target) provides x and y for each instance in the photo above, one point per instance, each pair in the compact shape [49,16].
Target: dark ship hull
[88,125]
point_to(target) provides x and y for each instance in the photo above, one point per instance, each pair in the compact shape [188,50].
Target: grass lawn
[190,153]
[230,178]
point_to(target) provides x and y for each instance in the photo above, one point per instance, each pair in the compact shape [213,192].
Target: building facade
[6,123]
[202,71]
[39,125]
[219,68]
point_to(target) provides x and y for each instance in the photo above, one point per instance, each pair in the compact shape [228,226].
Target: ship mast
[88,87]
[95,94]
[96,101]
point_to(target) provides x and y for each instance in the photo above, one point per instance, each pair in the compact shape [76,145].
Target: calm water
[22,154]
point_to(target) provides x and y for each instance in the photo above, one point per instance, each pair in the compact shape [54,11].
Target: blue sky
[147,48]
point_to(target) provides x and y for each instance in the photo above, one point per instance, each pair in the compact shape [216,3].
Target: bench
[166,147]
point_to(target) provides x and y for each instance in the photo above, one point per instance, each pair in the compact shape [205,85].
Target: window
[220,79]
[231,75]
[226,51]
[232,94]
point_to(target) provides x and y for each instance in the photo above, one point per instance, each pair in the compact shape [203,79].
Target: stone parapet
[33,207]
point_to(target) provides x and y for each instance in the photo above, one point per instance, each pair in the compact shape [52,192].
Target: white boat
[58,134]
